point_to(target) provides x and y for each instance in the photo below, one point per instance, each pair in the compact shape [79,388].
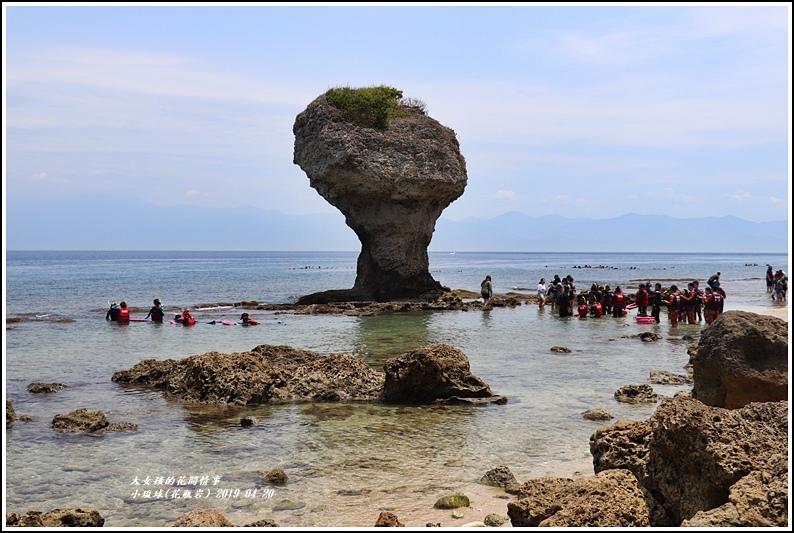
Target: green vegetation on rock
[371,107]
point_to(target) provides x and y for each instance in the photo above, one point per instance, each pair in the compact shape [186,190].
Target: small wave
[214,308]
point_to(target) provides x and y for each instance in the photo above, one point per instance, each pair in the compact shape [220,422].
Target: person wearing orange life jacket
[597,309]
[618,302]
[124,313]
[673,303]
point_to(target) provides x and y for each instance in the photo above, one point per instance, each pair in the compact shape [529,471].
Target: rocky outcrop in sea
[282,374]
[391,184]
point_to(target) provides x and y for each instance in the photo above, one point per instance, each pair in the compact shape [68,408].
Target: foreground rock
[430,373]
[608,499]
[266,374]
[79,517]
[281,374]
[390,184]
[387,519]
[689,456]
[694,465]
[203,517]
[741,358]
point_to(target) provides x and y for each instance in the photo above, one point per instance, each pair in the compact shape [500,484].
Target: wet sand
[779,312]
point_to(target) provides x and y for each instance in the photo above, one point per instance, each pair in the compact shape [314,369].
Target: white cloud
[740,195]
[192,192]
[38,176]
[509,196]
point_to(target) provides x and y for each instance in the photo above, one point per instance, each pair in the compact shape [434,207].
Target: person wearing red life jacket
[187,318]
[673,303]
[247,320]
[618,302]
[597,309]
[582,309]
[698,301]
[642,300]
[124,313]
[717,304]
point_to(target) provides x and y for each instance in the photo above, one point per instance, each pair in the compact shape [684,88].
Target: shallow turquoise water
[340,458]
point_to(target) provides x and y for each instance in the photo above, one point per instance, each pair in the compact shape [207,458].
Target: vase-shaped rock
[391,184]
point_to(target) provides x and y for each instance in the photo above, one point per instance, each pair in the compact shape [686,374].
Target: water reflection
[384,336]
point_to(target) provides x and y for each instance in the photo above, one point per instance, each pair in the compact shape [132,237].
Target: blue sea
[345,462]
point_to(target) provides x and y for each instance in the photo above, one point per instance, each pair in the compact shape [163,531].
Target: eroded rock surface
[266,374]
[741,358]
[77,517]
[203,517]
[282,374]
[391,185]
[608,499]
[690,458]
[430,373]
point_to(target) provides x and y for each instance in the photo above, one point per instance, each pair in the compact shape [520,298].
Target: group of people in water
[689,304]
[776,284]
[120,313]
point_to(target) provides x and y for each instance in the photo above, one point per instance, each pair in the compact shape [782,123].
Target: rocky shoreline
[717,456]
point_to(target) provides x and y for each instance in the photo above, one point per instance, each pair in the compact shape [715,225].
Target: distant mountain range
[105,223]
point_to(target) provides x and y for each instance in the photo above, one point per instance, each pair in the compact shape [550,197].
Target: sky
[589,111]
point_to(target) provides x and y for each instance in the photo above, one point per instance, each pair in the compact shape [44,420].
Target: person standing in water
[113,312]
[157,313]
[542,293]
[124,313]
[486,291]
[656,302]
